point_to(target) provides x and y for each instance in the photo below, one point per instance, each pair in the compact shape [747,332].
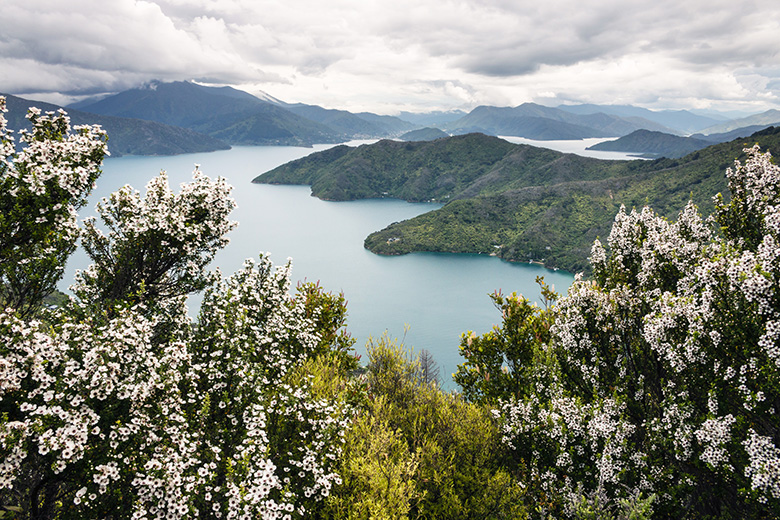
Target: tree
[158,247]
[667,373]
[502,363]
[429,369]
[418,452]
[271,446]
[118,405]
[41,187]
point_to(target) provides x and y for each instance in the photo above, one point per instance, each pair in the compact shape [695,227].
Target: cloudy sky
[385,56]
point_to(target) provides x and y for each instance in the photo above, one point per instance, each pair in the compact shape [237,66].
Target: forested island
[647,143]
[519,202]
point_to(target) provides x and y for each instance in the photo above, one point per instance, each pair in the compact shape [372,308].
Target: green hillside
[424,134]
[445,169]
[414,171]
[658,144]
[557,224]
[519,202]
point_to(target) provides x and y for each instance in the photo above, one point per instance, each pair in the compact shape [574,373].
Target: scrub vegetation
[650,390]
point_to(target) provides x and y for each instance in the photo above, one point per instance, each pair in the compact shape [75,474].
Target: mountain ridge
[676,121]
[221,112]
[126,136]
[539,122]
[768,118]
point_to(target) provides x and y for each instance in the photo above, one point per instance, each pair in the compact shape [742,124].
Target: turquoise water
[436,296]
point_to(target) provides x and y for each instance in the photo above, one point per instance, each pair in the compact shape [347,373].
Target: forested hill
[445,169]
[516,201]
[656,144]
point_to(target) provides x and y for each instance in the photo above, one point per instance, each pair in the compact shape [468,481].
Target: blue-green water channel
[435,296]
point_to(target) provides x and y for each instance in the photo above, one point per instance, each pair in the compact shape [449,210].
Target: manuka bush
[662,379]
[41,187]
[118,405]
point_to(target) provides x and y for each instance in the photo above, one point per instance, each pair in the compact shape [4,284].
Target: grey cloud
[104,46]
[507,40]
[388,49]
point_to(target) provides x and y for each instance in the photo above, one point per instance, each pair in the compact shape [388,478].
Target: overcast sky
[390,55]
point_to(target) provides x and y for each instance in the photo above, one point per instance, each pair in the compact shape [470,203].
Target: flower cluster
[158,246]
[764,467]
[251,336]
[85,393]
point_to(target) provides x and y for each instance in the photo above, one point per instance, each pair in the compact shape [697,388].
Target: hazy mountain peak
[151,85]
[770,117]
[126,135]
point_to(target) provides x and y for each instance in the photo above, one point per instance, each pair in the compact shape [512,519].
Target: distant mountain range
[190,117]
[732,134]
[225,113]
[126,136]
[539,122]
[349,125]
[238,117]
[675,121]
[435,118]
[244,119]
[566,122]
[764,119]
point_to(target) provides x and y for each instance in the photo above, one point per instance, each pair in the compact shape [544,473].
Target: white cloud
[387,56]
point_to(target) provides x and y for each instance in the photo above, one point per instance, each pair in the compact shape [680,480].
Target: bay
[577,146]
[425,299]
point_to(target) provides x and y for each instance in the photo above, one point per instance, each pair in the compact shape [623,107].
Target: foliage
[552,211]
[506,360]
[417,452]
[429,369]
[158,247]
[272,439]
[650,390]
[118,405]
[378,471]
[665,378]
[595,506]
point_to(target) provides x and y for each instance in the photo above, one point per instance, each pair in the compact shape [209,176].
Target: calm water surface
[436,296]
[577,146]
